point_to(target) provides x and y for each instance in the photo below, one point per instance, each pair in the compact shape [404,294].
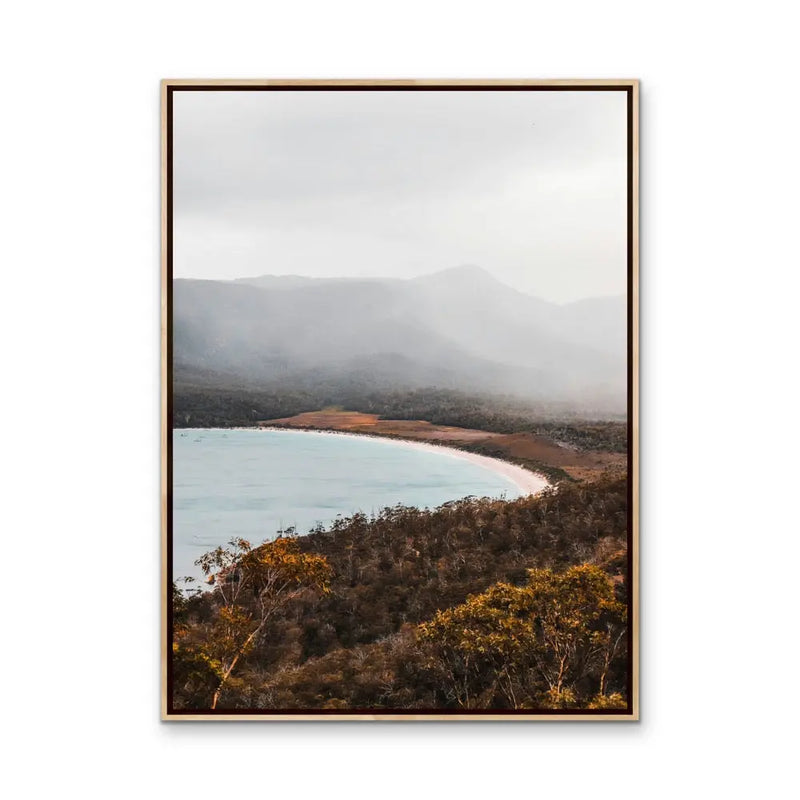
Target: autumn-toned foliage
[477,604]
[516,641]
[252,584]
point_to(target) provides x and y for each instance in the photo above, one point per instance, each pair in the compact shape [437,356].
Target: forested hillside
[479,604]
[458,329]
[199,403]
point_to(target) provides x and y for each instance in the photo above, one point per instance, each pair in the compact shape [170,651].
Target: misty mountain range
[459,329]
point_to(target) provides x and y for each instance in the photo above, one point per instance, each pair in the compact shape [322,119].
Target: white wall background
[80,402]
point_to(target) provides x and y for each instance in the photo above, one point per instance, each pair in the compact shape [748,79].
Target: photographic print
[400,400]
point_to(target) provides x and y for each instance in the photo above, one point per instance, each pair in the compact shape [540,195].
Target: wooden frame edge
[634,422]
[164,431]
[357,717]
[356,82]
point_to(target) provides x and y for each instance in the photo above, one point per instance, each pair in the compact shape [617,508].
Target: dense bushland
[477,604]
[205,406]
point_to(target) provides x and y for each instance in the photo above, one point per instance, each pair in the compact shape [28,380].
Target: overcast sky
[528,185]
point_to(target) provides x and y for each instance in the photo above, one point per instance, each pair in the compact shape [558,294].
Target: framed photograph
[400,400]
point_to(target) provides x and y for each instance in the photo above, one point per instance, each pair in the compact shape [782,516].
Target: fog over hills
[459,328]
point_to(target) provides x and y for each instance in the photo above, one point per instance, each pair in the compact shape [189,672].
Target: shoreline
[527,482]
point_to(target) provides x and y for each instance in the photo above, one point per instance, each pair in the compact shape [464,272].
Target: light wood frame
[631,86]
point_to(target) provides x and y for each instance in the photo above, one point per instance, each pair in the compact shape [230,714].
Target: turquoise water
[253,483]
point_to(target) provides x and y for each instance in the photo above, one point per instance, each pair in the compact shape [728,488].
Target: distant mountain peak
[458,327]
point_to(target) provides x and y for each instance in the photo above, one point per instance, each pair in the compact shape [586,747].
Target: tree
[532,645]
[253,583]
[579,623]
[479,644]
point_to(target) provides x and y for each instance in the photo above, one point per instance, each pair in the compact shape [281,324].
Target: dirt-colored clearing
[356,422]
[581,464]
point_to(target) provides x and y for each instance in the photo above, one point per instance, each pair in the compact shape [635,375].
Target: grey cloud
[529,185]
